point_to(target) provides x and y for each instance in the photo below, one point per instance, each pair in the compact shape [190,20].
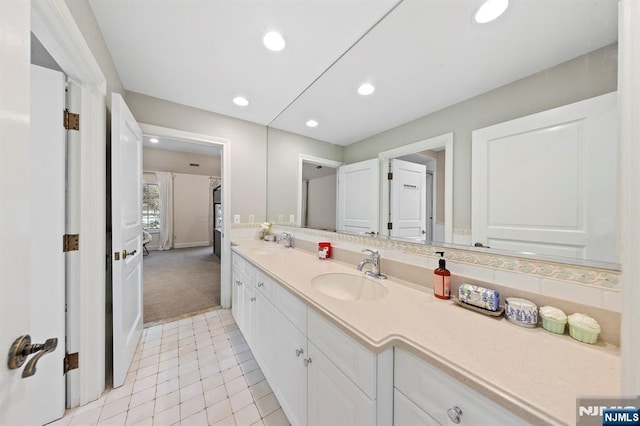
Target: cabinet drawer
[353,359]
[242,266]
[265,285]
[294,309]
[406,413]
[436,392]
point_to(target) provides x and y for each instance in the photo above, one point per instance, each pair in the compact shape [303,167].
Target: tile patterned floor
[194,371]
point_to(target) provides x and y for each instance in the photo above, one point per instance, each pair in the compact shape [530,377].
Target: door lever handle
[22,348]
[128,253]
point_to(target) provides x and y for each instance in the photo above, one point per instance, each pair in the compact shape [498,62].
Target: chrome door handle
[22,348]
[128,253]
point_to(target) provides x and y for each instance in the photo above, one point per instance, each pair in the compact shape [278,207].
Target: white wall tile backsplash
[599,288]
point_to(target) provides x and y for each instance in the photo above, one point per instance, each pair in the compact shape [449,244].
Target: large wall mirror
[439,74]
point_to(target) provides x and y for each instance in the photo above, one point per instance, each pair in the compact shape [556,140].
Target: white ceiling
[423,56]
[181,146]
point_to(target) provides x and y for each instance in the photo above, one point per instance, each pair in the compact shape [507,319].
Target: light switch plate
[252,218]
[292,218]
[236,218]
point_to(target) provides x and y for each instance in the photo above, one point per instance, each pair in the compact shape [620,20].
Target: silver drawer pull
[260,284]
[454,414]
[299,352]
[253,299]
[307,361]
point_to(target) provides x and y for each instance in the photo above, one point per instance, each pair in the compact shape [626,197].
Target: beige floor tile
[219,411]
[277,418]
[140,413]
[236,385]
[240,400]
[267,405]
[215,395]
[118,420]
[227,421]
[167,401]
[197,419]
[168,417]
[260,390]
[247,416]
[191,407]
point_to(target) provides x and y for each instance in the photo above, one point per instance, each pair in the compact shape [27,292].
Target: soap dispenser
[442,279]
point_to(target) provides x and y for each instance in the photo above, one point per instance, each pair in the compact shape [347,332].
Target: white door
[32,302]
[358,197]
[126,207]
[408,200]
[546,183]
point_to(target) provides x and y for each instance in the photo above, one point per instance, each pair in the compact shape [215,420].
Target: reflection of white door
[358,197]
[408,200]
[430,214]
[546,183]
[126,201]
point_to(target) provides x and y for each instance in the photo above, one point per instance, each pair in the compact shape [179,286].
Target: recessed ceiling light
[274,41]
[240,101]
[490,10]
[312,123]
[366,89]
[153,140]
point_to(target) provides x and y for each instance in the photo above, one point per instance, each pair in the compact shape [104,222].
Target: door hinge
[389,225]
[70,362]
[389,176]
[71,121]
[70,242]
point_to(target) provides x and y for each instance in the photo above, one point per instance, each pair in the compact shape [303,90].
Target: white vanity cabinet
[424,395]
[320,375]
[242,276]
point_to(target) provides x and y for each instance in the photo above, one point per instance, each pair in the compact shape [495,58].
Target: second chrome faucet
[374,261]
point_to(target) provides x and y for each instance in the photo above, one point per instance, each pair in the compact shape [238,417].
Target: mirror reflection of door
[319,184]
[358,197]
[416,195]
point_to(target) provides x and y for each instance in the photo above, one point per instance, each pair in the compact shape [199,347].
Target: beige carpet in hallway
[180,281]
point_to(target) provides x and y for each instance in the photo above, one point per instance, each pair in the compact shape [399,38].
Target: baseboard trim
[195,244]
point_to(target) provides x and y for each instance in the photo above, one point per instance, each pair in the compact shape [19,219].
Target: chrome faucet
[374,261]
[288,239]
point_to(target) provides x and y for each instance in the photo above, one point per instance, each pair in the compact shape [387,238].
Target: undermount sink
[266,250]
[349,287]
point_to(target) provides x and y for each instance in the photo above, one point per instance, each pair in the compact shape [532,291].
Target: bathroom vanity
[398,355]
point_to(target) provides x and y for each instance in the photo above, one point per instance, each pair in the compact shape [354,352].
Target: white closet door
[546,183]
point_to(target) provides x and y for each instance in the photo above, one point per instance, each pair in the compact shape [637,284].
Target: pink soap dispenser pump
[442,279]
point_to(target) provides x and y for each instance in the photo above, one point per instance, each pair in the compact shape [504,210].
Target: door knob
[128,253]
[22,348]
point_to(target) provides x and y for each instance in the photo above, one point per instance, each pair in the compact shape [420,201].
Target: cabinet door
[263,334]
[290,378]
[406,413]
[236,295]
[333,399]
[248,302]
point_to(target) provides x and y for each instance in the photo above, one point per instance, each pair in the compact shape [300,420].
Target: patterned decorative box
[481,297]
[521,311]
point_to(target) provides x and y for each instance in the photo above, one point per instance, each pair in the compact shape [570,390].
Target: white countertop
[536,374]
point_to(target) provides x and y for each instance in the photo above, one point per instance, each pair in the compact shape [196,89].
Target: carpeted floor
[180,281]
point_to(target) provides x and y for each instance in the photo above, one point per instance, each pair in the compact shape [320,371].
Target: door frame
[55,27]
[445,140]
[319,162]
[225,146]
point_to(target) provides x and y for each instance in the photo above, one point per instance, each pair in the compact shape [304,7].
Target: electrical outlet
[236,218]
[292,218]
[252,218]
[280,218]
